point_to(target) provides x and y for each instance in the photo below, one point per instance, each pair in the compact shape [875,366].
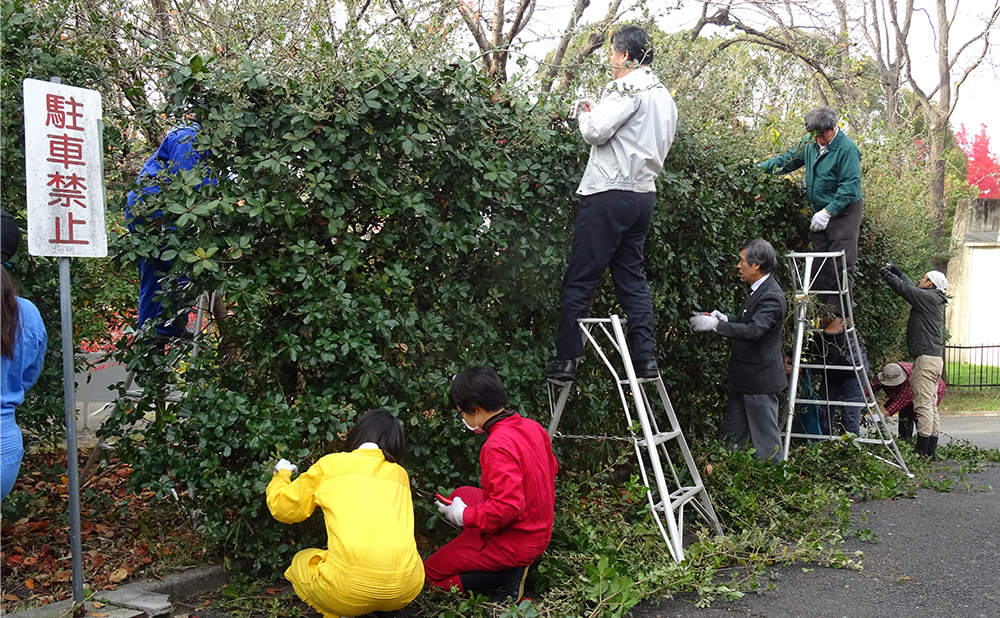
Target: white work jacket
[630,132]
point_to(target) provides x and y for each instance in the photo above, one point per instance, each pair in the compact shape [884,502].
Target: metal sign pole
[64,180]
[72,463]
[69,397]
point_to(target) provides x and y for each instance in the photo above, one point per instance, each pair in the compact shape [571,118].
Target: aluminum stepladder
[666,504]
[206,300]
[804,268]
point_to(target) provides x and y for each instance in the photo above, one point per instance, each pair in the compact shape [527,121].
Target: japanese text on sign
[63,168]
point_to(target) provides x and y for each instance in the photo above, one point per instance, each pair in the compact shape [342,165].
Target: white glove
[580,106]
[820,220]
[452,512]
[284,464]
[718,315]
[701,322]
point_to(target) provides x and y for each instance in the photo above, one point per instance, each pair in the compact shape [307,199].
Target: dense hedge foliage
[378,225]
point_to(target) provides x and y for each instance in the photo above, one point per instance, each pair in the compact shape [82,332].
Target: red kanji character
[68,197]
[55,106]
[70,240]
[67,150]
[63,182]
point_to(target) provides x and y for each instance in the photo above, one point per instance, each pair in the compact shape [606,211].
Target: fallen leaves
[124,535]
[117,575]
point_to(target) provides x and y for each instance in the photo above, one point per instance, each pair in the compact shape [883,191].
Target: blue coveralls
[175,155]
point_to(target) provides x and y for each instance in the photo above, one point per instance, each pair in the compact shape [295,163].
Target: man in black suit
[756,367]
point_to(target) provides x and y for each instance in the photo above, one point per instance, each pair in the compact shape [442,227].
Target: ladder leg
[557,408]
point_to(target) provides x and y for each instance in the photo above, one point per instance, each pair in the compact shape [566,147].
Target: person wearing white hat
[924,342]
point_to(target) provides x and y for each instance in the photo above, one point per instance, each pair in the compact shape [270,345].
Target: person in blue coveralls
[176,154]
[22,351]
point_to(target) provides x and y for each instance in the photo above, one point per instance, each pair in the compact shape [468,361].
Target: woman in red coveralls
[507,524]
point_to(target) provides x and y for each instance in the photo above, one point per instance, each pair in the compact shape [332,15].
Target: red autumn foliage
[983,170]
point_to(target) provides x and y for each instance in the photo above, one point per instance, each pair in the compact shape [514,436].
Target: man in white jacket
[630,132]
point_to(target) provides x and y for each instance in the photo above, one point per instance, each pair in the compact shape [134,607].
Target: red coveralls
[508,523]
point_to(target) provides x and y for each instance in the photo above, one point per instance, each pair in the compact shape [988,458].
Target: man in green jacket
[833,183]
[925,344]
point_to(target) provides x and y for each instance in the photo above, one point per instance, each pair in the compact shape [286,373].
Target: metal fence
[972,366]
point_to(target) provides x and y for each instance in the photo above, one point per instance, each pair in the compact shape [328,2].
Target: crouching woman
[371,564]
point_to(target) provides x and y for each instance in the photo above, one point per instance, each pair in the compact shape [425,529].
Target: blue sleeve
[34,342]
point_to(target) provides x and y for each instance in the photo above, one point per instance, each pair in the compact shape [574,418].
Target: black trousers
[610,233]
[841,233]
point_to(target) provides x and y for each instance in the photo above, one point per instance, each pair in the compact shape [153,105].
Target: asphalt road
[980,428]
[937,555]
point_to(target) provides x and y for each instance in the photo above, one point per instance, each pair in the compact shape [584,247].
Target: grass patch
[971,375]
[970,400]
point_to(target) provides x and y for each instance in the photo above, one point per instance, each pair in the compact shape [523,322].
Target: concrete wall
[974,274]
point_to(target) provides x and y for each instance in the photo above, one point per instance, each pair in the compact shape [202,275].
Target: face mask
[476,430]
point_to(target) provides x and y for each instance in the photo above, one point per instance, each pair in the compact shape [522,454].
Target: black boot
[923,445]
[513,582]
[932,448]
[480,581]
[905,427]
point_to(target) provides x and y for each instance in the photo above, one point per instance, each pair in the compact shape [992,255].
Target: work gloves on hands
[702,322]
[580,106]
[889,268]
[892,269]
[452,512]
[284,464]
[820,220]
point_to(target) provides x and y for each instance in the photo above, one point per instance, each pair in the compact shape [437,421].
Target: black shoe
[561,370]
[645,368]
[932,448]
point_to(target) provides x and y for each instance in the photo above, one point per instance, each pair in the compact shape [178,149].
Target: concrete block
[136,597]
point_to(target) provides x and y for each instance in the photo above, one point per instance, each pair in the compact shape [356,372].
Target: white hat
[938,279]
[892,375]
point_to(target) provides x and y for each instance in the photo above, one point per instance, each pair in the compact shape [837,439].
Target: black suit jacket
[756,364]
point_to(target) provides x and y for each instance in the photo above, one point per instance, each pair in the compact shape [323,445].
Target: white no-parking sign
[63,170]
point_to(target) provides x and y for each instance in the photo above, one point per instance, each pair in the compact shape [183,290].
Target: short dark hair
[820,119]
[634,41]
[760,252]
[10,236]
[382,428]
[478,386]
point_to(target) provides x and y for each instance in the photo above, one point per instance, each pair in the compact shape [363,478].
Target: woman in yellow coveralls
[372,564]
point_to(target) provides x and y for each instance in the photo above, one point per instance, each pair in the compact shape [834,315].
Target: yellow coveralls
[372,562]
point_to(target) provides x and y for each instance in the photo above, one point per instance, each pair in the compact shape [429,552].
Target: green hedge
[378,225]
[378,230]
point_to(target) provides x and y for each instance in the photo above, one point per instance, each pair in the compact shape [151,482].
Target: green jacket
[925,327]
[833,180]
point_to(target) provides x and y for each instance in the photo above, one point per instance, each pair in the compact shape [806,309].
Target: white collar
[369,445]
[756,284]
